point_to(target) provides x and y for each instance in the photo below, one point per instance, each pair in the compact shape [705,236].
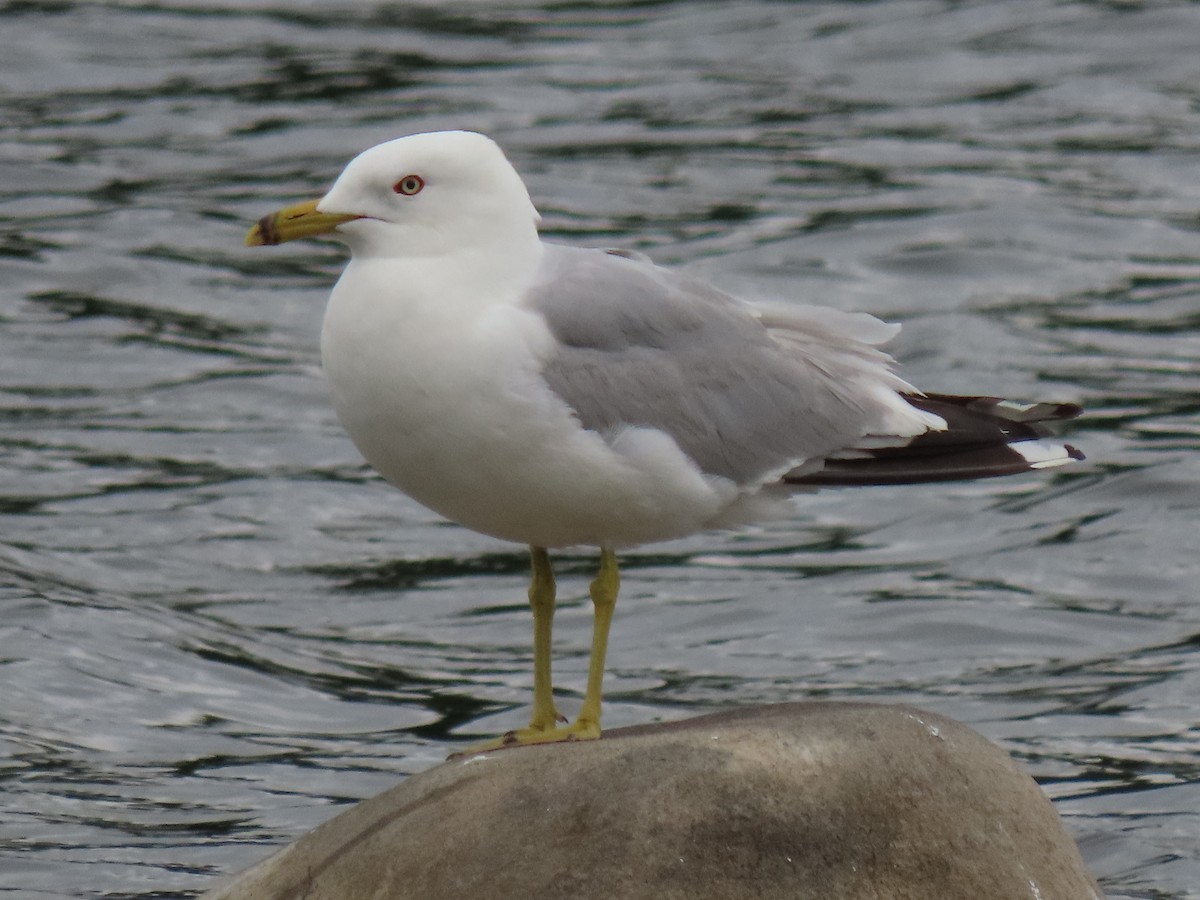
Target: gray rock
[851,801]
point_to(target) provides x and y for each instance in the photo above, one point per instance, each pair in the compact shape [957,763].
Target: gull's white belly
[452,410]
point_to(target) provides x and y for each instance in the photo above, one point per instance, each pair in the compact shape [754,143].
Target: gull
[557,396]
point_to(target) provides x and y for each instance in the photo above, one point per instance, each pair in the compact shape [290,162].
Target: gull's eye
[409,185]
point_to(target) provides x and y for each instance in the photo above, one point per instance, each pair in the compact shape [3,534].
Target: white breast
[451,409]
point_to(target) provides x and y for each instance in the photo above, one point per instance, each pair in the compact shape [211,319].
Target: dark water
[217,628]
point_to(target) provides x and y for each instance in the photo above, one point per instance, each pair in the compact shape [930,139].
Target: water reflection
[218,625]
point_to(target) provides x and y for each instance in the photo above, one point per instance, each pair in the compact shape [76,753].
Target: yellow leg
[604,598]
[543,726]
[541,602]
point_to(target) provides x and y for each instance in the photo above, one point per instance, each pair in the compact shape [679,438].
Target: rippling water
[216,626]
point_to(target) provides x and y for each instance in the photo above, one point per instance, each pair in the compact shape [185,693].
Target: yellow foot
[524,737]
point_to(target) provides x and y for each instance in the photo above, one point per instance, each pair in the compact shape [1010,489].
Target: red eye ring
[409,185]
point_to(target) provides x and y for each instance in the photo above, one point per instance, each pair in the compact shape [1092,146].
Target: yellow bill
[292,222]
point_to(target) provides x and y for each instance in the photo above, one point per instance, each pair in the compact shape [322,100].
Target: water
[217,628]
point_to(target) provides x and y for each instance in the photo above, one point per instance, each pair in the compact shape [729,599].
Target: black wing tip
[1067,411]
[997,407]
[984,437]
[967,464]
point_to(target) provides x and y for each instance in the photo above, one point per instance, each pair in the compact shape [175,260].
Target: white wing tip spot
[1043,454]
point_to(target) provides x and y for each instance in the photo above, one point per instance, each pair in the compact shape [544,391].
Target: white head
[422,195]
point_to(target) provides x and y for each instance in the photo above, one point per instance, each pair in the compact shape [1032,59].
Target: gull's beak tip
[256,236]
[301,220]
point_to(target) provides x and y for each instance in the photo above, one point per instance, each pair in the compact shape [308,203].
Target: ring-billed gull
[557,396]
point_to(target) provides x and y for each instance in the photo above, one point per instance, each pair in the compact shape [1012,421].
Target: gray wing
[747,395]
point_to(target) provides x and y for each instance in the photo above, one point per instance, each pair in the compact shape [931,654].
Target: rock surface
[837,801]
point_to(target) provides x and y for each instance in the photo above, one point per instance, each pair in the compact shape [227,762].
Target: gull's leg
[543,727]
[541,602]
[604,599]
